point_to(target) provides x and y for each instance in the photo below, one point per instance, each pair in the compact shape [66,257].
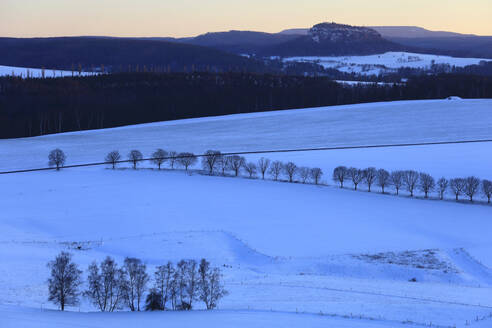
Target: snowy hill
[292,254]
[387,62]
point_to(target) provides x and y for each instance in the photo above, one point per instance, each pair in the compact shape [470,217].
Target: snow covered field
[376,64]
[293,255]
[37,72]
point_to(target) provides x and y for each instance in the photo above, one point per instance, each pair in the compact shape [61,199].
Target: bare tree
[487,189]
[105,285]
[251,169]
[442,186]
[236,162]
[472,186]
[174,290]
[263,165]
[136,279]
[426,183]
[57,158]
[172,158]
[187,159]
[316,173]
[410,180]
[163,279]
[182,284]
[211,289]
[457,186]
[397,180]
[275,169]
[370,174]
[340,173]
[224,164]
[210,159]
[135,156]
[290,170]
[383,179]
[64,282]
[217,290]
[191,282]
[356,175]
[303,173]
[159,157]
[113,158]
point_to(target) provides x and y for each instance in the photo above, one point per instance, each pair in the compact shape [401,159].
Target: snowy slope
[292,254]
[376,64]
[364,124]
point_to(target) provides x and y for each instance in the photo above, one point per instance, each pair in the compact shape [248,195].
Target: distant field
[376,64]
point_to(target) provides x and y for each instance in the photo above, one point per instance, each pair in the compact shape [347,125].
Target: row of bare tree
[110,287]
[412,180]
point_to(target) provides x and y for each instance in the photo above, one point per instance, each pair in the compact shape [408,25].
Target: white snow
[38,72]
[292,255]
[387,62]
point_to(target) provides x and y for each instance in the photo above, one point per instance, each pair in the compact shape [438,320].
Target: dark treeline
[31,107]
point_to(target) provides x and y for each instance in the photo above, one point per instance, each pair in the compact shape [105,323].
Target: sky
[179,18]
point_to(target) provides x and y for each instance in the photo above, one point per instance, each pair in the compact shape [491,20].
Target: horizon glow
[36,18]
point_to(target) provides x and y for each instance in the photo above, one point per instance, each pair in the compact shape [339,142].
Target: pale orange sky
[29,18]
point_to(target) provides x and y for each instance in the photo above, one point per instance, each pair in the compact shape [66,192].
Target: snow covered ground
[292,255]
[376,64]
[37,72]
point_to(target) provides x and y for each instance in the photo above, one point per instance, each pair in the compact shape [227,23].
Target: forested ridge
[31,107]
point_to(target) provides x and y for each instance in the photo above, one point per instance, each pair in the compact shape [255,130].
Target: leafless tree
[191,282]
[136,279]
[356,175]
[383,179]
[209,161]
[135,156]
[174,290]
[290,170]
[316,173]
[275,169]
[217,290]
[442,186]
[236,162]
[57,158]
[187,159]
[457,186]
[105,285]
[182,284]
[113,158]
[410,180]
[224,164]
[172,158]
[370,174]
[303,173]
[487,189]
[340,173]
[251,169]
[159,157]
[64,282]
[426,183]
[263,165]
[211,289]
[397,180]
[472,186]
[163,278]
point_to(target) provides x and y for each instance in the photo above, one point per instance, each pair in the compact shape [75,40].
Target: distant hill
[117,54]
[321,40]
[413,32]
[327,39]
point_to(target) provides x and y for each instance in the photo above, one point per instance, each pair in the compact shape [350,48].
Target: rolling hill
[291,254]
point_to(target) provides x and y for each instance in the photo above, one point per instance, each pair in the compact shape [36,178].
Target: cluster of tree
[31,107]
[411,181]
[112,287]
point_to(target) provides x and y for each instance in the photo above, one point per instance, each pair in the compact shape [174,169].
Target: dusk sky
[26,18]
